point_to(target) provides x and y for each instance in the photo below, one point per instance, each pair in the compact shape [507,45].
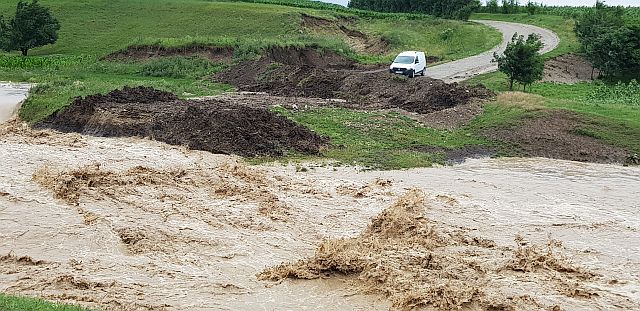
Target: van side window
[417,60]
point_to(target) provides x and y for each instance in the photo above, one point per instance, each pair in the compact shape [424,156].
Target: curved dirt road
[469,67]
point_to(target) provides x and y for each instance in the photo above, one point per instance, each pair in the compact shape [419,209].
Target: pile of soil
[142,52]
[211,125]
[324,74]
[555,135]
[569,68]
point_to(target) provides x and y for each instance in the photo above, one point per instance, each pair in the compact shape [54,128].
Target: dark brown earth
[553,135]
[142,52]
[324,74]
[212,125]
[569,68]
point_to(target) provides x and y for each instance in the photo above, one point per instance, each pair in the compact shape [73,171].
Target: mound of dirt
[408,258]
[569,68]
[142,52]
[310,73]
[422,95]
[554,135]
[212,125]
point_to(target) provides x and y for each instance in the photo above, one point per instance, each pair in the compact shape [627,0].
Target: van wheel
[412,74]
[422,72]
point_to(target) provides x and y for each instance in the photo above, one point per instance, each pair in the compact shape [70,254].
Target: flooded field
[11,94]
[132,224]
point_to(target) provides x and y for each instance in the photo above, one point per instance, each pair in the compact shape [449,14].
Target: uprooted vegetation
[408,258]
[214,125]
[317,73]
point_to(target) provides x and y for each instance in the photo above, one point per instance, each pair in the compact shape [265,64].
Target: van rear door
[422,62]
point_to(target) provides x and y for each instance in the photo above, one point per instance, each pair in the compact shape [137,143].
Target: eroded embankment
[324,74]
[210,125]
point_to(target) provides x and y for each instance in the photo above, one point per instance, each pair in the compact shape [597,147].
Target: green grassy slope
[92,29]
[99,27]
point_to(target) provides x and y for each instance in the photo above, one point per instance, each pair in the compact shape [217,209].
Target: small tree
[32,26]
[532,7]
[492,6]
[522,61]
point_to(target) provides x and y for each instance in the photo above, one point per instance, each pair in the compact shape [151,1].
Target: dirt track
[131,224]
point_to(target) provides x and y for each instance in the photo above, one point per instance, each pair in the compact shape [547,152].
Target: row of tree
[608,42]
[452,9]
[531,8]
[32,26]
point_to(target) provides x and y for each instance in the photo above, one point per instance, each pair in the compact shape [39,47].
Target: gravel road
[469,67]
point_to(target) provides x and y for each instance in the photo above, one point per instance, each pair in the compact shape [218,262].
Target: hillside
[93,29]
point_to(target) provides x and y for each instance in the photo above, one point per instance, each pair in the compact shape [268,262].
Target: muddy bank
[312,73]
[343,28]
[555,134]
[143,52]
[569,69]
[131,224]
[210,125]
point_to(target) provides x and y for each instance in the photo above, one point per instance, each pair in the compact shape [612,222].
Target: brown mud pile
[323,74]
[210,125]
[556,135]
[570,69]
[142,52]
[416,262]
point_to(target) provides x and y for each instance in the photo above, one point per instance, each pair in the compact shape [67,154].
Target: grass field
[11,303]
[92,29]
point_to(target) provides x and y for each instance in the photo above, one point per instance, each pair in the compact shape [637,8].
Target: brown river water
[133,224]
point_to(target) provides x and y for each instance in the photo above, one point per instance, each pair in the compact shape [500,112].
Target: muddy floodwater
[133,224]
[11,94]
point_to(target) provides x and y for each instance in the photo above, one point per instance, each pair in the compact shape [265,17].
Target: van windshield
[404,60]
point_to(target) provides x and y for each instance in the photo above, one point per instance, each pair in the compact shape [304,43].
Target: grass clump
[13,303]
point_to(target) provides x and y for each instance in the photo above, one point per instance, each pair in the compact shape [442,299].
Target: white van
[409,63]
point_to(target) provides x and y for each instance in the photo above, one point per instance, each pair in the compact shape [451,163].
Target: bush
[446,34]
[522,61]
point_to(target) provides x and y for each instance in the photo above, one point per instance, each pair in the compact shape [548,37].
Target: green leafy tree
[607,42]
[492,6]
[510,6]
[522,61]
[31,27]
[532,7]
